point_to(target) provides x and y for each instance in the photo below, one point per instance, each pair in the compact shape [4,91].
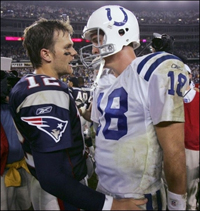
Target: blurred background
[179,19]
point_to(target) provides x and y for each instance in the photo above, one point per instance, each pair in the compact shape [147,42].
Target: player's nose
[74,52]
[95,50]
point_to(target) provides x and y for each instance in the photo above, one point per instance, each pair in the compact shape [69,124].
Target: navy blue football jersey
[87,95]
[82,95]
[47,120]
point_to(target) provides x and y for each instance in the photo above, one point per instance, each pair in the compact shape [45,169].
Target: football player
[191,107]
[49,127]
[140,113]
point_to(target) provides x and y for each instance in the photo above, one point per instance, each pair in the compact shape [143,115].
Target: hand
[79,103]
[127,204]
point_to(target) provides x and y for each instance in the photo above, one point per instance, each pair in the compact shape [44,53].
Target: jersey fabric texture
[45,104]
[4,150]
[48,121]
[82,97]
[87,95]
[82,94]
[76,93]
[192,122]
[191,107]
[128,155]
[15,152]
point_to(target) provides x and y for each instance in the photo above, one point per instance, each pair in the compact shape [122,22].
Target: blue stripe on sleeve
[144,61]
[156,63]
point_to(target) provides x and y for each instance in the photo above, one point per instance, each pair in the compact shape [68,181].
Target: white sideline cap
[6,63]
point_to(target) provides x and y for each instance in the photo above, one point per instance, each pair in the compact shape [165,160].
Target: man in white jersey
[191,107]
[140,113]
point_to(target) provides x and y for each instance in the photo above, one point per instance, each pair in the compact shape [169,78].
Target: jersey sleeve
[166,89]
[62,184]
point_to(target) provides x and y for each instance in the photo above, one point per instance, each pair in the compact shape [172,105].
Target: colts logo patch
[115,22]
[52,126]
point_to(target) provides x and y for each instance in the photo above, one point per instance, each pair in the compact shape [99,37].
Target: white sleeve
[166,89]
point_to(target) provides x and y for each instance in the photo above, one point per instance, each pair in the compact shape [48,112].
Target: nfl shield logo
[173,203]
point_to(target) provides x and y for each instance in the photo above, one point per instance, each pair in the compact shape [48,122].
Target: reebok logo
[44,110]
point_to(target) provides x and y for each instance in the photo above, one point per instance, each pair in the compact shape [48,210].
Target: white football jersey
[149,91]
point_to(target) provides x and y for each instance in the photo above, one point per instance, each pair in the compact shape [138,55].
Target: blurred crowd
[19,10]
[89,76]
[34,11]
[17,53]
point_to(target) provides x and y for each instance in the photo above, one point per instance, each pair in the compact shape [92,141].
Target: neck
[46,71]
[121,60]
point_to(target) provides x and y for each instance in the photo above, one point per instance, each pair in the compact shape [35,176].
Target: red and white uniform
[191,107]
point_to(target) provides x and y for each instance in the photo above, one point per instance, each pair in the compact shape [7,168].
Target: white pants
[42,200]
[16,198]
[192,164]
[151,203]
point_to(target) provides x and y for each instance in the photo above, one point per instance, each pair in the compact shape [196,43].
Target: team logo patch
[52,126]
[115,22]
[173,203]
[44,110]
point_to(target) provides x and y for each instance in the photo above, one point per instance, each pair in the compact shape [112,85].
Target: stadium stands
[183,25]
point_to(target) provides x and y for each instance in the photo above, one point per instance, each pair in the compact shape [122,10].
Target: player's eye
[67,47]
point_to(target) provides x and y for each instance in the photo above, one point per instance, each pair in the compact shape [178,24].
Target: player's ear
[45,54]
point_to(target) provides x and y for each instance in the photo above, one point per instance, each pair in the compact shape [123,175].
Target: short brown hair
[40,35]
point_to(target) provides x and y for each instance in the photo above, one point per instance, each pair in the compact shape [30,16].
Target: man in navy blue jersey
[49,127]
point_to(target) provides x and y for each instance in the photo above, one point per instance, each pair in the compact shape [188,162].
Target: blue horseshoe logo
[115,22]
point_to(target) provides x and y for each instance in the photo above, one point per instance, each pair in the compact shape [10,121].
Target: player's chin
[69,69]
[108,62]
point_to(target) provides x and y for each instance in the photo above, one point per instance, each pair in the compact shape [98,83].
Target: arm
[166,88]
[61,184]
[86,114]
[171,138]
